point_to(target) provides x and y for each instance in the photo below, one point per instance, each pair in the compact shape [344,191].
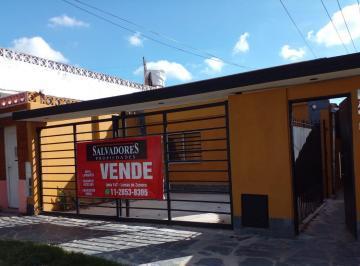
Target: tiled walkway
[323,242]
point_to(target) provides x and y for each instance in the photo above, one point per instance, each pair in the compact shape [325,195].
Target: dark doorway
[322,159]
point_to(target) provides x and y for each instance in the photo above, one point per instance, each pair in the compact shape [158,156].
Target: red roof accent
[12,100]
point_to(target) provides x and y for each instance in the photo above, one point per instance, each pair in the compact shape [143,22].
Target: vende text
[126,170]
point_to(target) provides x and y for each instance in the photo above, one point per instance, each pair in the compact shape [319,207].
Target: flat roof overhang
[211,89]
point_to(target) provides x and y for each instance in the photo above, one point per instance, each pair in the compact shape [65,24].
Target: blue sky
[67,34]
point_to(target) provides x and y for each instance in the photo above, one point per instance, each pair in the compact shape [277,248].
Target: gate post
[115,134]
[228,154]
[167,181]
[123,130]
[76,185]
[39,170]
[294,186]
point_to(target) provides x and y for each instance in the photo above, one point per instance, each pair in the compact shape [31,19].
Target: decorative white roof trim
[9,54]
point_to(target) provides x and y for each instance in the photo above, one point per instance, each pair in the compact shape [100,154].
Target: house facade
[230,148]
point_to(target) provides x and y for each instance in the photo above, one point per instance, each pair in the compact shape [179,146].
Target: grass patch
[33,254]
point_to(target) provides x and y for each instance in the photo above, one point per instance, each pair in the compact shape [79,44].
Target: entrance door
[344,119]
[12,170]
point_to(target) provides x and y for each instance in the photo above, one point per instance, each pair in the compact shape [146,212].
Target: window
[184,147]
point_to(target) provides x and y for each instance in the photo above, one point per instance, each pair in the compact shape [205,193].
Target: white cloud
[39,47]
[242,45]
[213,65]
[66,21]
[292,54]
[136,40]
[327,34]
[172,70]
[310,35]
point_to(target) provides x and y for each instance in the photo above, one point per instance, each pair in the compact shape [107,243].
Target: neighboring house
[29,82]
[15,145]
[228,145]
[23,72]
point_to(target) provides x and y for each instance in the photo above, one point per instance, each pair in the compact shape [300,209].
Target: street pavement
[324,241]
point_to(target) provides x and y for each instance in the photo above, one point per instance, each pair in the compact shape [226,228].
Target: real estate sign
[124,168]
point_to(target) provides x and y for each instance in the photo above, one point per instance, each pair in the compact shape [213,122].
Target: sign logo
[125,168]
[109,151]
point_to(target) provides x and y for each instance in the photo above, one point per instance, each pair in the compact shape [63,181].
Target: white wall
[300,135]
[23,76]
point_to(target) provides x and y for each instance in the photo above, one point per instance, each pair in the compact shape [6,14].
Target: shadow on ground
[323,243]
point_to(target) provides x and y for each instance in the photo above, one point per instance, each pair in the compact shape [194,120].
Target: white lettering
[136,170]
[104,170]
[127,170]
[124,171]
[147,169]
[113,171]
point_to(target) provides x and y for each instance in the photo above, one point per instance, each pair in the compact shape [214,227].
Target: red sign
[122,168]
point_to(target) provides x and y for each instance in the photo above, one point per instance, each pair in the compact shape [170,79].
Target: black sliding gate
[307,167]
[308,145]
[196,162]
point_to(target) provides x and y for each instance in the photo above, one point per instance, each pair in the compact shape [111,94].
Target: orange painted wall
[175,125]
[260,146]
[63,160]
[260,156]
[301,112]
[85,132]
[32,153]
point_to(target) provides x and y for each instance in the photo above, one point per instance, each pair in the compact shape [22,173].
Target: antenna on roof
[153,77]
[145,71]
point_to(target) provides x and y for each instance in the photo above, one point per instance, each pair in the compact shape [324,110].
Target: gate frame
[292,172]
[115,122]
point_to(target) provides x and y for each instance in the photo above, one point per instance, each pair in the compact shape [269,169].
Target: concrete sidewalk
[136,244]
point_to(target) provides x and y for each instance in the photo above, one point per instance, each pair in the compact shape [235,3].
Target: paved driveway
[136,244]
[208,212]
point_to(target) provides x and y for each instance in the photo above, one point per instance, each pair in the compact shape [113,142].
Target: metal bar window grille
[184,147]
[195,194]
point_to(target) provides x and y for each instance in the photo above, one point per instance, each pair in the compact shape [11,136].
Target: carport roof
[217,88]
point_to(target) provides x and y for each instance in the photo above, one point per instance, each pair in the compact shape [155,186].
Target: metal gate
[307,167]
[196,162]
[344,121]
